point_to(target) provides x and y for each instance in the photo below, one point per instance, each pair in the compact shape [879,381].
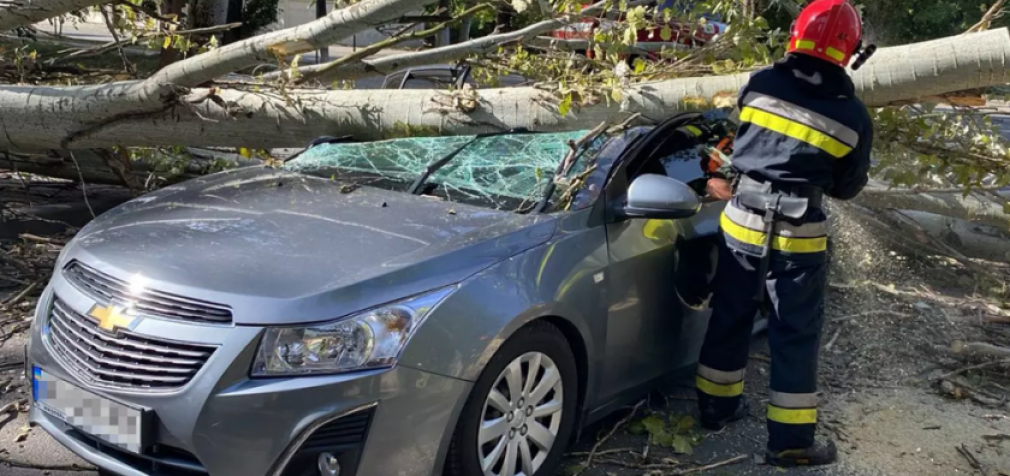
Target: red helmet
[827,29]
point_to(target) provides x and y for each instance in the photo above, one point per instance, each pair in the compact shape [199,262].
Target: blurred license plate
[112,422]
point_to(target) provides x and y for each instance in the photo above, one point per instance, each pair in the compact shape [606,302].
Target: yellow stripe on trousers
[800,132]
[719,390]
[792,416]
[780,243]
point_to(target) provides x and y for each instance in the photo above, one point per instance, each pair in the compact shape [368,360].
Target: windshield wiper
[438,164]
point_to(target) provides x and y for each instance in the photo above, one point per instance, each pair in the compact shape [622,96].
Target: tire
[539,343]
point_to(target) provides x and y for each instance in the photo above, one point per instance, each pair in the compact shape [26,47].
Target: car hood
[280,247]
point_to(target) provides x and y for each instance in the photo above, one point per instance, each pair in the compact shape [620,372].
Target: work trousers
[795,289]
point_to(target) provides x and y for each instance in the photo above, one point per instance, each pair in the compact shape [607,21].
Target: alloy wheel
[521,417]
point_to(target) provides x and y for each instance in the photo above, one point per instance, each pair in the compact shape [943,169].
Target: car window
[501,172]
[424,79]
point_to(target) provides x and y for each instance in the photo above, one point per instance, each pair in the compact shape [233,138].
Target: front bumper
[395,421]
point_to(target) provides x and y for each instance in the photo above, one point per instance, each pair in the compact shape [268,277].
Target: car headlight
[371,339]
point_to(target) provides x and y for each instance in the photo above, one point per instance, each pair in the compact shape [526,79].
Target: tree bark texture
[128,114]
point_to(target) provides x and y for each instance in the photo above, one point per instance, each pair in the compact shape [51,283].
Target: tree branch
[115,37]
[326,68]
[97,50]
[444,54]
[993,13]
[311,36]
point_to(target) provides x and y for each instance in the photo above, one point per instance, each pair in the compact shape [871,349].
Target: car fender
[466,329]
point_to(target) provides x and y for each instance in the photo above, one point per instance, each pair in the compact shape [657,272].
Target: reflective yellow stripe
[793,112]
[837,55]
[694,130]
[781,243]
[753,221]
[792,416]
[795,130]
[719,390]
[805,45]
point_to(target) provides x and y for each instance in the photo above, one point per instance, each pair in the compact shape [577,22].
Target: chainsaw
[716,157]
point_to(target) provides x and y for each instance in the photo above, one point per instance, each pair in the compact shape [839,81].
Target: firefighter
[802,133]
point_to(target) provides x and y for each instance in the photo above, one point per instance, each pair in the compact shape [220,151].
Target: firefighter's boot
[709,421]
[819,454]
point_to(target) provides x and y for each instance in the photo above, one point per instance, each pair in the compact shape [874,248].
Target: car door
[646,320]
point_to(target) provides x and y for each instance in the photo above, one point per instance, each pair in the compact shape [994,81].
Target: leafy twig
[601,441]
[733,460]
[17,298]
[388,42]
[972,460]
[604,452]
[84,185]
[44,467]
[970,368]
[119,44]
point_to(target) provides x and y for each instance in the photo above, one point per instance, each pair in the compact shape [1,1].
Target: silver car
[402,307]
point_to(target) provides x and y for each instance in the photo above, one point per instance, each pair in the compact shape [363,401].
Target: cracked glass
[501,172]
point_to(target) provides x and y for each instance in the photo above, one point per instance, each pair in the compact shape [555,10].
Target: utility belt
[775,203]
[814,195]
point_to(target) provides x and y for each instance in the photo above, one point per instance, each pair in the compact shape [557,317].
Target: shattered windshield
[504,172]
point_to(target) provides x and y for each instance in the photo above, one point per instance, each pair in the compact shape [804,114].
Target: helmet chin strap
[862,55]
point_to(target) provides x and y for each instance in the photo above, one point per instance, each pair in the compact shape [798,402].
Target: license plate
[109,421]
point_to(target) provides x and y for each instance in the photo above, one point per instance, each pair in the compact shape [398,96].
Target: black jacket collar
[817,76]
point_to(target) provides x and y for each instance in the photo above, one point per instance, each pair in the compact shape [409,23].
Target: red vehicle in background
[683,35]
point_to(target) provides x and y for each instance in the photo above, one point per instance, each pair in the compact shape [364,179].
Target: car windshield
[507,172]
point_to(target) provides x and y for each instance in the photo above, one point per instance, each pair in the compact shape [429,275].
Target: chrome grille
[122,359]
[152,303]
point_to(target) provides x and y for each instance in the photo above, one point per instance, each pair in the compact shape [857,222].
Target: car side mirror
[659,197]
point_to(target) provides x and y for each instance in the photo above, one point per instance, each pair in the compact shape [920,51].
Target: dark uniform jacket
[801,123]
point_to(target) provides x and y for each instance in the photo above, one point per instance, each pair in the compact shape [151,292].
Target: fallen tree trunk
[92,168]
[108,115]
[24,13]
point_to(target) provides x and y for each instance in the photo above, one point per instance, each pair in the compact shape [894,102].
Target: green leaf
[666,33]
[566,105]
[653,424]
[573,469]
[685,423]
[663,438]
[630,36]
[681,445]
[636,428]
[639,65]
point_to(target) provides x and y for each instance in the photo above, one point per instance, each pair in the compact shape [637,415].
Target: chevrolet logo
[114,317]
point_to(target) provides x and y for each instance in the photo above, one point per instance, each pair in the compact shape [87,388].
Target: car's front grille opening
[160,461]
[121,358]
[107,289]
[343,438]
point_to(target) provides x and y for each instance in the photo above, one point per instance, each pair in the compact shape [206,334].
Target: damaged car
[417,306]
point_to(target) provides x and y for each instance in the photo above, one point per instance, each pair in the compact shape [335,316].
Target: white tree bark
[116,114]
[18,13]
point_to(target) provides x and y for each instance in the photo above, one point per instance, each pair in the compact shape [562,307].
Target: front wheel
[521,412]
